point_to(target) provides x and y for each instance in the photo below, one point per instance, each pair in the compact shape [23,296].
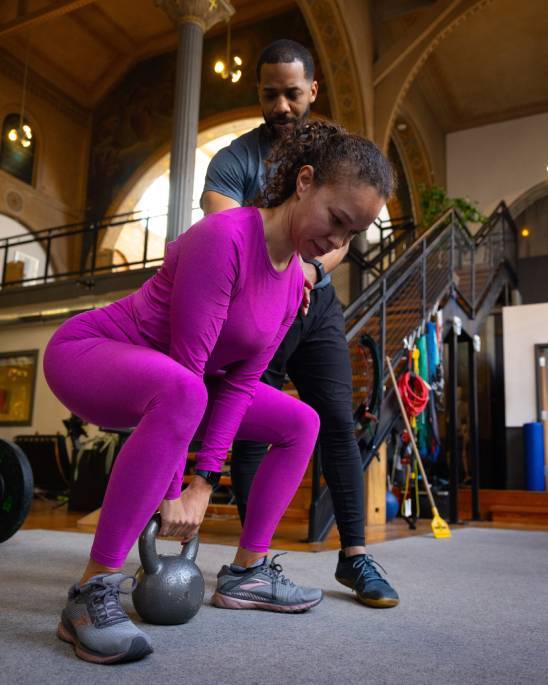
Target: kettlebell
[170,588]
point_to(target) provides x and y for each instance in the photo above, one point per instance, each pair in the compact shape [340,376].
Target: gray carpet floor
[474,610]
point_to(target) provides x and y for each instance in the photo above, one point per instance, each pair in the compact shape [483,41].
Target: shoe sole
[138,649]
[226,602]
[376,603]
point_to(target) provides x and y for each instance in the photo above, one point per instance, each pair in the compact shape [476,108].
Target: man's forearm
[332,259]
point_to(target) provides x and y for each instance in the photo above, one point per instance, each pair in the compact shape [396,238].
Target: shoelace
[105,600]
[275,570]
[366,566]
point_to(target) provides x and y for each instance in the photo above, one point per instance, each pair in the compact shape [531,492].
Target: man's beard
[271,122]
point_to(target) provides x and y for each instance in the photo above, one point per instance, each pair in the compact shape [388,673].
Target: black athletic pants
[315,356]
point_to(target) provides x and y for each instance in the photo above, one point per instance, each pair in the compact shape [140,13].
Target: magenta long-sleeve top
[220,308]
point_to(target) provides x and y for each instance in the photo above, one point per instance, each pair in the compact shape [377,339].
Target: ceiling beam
[418,32]
[385,10]
[55,9]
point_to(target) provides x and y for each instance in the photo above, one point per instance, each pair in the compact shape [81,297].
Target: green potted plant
[435,201]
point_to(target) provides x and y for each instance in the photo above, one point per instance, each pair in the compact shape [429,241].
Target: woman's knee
[180,391]
[303,424]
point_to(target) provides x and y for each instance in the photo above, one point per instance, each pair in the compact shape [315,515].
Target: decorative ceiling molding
[418,32]
[33,19]
[332,43]
[13,69]
[498,116]
[386,10]
[415,159]
[393,87]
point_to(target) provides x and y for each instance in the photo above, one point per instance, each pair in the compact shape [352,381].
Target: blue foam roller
[392,506]
[533,439]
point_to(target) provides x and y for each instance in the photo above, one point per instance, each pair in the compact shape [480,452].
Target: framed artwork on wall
[17,385]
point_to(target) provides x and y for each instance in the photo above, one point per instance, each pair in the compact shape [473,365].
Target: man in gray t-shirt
[314,352]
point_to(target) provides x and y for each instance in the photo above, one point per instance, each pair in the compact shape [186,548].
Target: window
[17,148]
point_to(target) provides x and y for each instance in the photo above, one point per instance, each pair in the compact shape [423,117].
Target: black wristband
[212,477]
[320,271]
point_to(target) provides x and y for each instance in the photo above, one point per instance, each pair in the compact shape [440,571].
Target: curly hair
[336,156]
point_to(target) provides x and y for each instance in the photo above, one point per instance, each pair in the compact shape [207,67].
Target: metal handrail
[46,237]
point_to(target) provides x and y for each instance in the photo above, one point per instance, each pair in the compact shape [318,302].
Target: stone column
[193,18]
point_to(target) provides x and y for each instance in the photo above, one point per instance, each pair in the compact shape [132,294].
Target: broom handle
[411,437]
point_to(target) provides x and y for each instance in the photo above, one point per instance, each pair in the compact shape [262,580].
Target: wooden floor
[292,536]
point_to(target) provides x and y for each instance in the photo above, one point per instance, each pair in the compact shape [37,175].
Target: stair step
[514,513]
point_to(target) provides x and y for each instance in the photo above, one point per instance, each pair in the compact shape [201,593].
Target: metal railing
[96,239]
[447,256]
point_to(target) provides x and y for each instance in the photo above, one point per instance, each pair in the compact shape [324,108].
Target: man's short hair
[284,52]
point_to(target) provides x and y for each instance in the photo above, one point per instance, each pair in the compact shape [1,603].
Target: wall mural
[134,119]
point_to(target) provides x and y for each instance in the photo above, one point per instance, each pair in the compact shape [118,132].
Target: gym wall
[497,162]
[48,412]
[57,195]
[523,327]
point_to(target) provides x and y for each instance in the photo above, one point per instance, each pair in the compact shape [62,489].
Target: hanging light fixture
[231,67]
[23,132]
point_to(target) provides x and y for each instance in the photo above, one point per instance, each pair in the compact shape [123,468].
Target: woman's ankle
[95,569]
[245,558]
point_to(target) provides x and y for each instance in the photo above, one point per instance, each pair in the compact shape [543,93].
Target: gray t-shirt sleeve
[226,174]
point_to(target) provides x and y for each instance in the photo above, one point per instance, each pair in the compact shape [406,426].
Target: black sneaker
[359,573]
[97,626]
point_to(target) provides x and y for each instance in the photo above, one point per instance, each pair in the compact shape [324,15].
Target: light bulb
[219,67]
[235,76]
[25,142]
[27,130]
[524,232]
[237,60]
[12,135]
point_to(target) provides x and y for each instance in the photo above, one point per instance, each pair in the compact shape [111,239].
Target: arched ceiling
[492,66]
[82,47]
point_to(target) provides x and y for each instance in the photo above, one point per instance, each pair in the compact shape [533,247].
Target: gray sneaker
[263,587]
[95,623]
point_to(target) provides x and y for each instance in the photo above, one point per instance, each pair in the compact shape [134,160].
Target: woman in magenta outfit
[182,358]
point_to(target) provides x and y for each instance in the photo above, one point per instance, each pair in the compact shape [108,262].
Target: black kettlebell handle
[147,546]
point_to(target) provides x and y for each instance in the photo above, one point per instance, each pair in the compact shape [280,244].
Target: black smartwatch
[320,271]
[212,477]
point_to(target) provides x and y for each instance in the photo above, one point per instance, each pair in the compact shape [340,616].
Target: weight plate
[16,484]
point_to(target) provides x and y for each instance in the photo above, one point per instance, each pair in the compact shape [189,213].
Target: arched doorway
[530,212]
[145,203]
[25,257]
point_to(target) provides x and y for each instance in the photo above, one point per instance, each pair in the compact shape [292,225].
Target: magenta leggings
[116,383]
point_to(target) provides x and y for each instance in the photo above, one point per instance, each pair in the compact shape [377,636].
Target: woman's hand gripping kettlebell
[182,517]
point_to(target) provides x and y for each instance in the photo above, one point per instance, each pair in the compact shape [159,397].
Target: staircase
[445,268]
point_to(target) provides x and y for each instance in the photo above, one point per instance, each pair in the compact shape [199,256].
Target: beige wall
[499,161]
[48,411]
[58,194]
[523,327]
